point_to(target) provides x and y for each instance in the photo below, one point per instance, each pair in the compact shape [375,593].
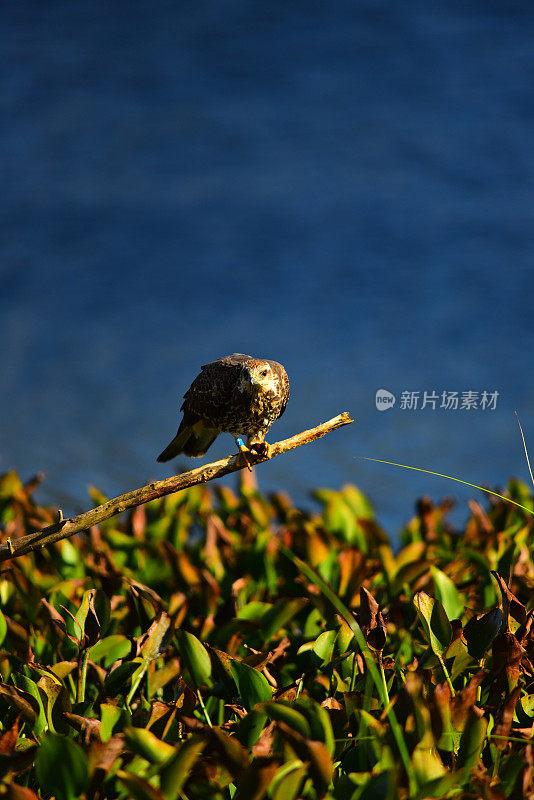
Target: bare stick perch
[82,522]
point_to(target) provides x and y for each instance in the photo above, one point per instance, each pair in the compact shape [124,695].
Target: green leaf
[357,501]
[427,764]
[279,615]
[118,680]
[253,611]
[3,628]
[30,687]
[524,710]
[447,593]
[175,771]
[509,770]
[195,656]
[145,744]
[255,779]
[252,685]
[56,701]
[435,622]
[87,619]
[251,726]
[321,768]
[110,649]
[288,780]
[340,520]
[156,639]
[10,485]
[471,743]
[318,720]
[408,573]
[350,619]
[378,787]
[61,767]
[447,786]
[283,711]
[323,646]
[138,788]
[109,716]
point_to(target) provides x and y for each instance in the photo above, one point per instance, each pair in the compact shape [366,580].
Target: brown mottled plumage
[236,394]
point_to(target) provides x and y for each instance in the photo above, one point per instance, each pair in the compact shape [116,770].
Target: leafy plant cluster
[224,645]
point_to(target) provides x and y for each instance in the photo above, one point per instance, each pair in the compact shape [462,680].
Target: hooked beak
[254,384]
[250,382]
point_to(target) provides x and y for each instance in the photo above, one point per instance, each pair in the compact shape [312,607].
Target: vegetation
[221,645]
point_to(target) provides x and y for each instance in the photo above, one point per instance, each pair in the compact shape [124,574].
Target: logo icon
[384,400]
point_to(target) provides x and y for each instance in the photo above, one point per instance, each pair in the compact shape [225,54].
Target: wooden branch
[82,522]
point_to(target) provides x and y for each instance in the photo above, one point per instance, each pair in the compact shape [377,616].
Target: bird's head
[259,378]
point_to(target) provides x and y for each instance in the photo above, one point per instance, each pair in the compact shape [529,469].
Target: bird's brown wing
[207,407]
[212,392]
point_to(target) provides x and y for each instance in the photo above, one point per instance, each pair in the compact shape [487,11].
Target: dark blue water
[346,187]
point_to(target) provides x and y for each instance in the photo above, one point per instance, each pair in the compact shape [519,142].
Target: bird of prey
[236,394]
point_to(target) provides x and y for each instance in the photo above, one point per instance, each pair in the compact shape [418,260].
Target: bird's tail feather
[189,441]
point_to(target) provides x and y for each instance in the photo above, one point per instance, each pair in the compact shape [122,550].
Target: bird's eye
[264,372]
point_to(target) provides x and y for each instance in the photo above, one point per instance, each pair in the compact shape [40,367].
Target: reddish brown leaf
[504,718]
[511,605]
[9,738]
[507,655]
[16,792]
[264,746]
[231,752]
[464,700]
[24,702]
[372,621]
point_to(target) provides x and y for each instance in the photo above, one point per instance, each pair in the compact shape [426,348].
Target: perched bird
[236,394]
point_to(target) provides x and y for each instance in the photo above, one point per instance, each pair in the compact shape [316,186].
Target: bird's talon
[242,455]
[263,449]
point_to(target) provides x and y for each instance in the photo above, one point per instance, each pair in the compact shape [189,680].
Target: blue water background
[345,187]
